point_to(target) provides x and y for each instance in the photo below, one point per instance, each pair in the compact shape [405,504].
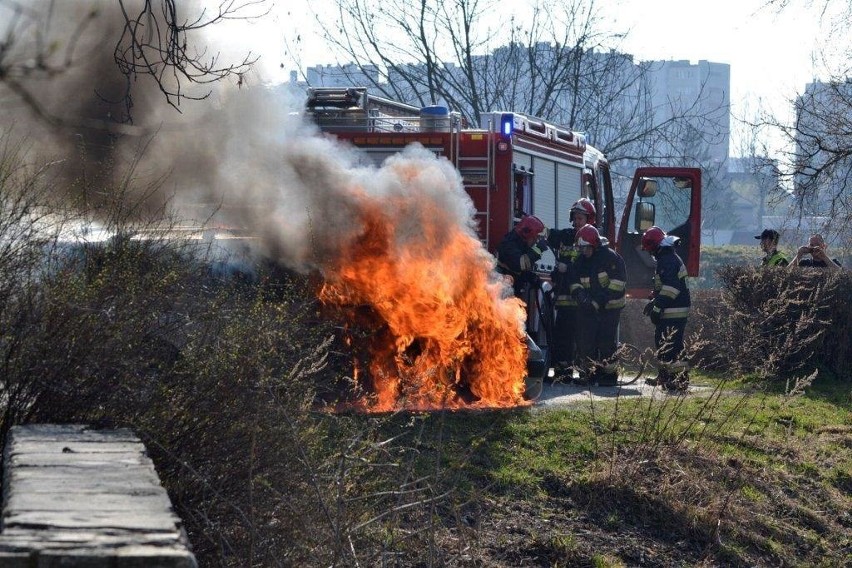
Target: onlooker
[817,249]
[769,244]
[598,287]
[669,309]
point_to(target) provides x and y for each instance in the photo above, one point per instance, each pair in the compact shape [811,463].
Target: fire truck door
[669,198]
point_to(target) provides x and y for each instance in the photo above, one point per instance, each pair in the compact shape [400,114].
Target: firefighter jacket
[601,278]
[671,294]
[516,258]
[775,258]
[562,244]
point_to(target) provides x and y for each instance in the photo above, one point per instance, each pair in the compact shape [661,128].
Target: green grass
[764,467]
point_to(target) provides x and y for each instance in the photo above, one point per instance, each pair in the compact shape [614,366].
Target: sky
[770,54]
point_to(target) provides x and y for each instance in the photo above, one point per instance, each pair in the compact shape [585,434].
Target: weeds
[221,377]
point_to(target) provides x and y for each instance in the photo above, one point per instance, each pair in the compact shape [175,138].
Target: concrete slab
[153,502]
[80,497]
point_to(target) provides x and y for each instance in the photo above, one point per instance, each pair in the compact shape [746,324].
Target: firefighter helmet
[529,227]
[652,238]
[588,235]
[586,207]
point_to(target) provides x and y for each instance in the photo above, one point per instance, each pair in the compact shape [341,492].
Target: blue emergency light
[507,123]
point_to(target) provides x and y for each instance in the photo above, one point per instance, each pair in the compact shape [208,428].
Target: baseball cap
[768,234]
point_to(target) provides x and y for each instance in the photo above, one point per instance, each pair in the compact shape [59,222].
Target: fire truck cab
[514,165]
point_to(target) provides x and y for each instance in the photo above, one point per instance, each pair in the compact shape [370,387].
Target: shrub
[780,321]
[713,258]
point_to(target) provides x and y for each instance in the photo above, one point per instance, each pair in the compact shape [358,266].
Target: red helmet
[652,238]
[588,235]
[586,207]
[529,227]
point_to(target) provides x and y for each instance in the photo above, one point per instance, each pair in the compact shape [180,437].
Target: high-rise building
[823,167]
[700,92]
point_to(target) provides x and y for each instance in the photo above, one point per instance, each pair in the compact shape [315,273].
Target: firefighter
[582,213]
[668,309]
[598,288]
[519,250]
[769,245]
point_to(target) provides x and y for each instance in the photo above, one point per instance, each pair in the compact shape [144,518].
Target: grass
[742,477]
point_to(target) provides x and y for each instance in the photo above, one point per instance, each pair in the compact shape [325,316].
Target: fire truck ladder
[483,216]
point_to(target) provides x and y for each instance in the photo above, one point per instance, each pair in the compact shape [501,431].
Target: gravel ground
[561,394]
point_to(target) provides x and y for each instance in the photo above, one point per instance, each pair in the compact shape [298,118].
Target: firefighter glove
[653,311]
[540,245]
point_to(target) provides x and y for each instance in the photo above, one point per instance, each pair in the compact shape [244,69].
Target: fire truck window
[670,205]
[523,204]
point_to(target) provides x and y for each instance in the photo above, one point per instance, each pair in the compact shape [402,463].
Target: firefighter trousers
[668,339]
[563,334]
[596,335]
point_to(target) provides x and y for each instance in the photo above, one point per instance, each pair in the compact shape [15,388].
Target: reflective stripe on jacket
[566,254]
[671,293]
[604,276]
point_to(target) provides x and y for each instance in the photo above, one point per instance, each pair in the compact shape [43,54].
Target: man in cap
[769,244]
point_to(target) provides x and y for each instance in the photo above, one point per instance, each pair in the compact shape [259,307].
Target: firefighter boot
[608,376]
[563,372]
[659,380]
[663,378]
[679,382]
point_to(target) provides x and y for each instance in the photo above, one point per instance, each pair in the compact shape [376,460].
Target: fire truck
[514,165]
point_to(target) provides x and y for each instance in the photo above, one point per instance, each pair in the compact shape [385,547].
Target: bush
[780,321]
[217,375]
[714,258]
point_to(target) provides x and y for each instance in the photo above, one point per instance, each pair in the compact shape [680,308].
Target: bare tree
[816,162]
[559,64]
[47,41]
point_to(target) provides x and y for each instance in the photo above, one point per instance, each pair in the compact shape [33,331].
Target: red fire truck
[514,165]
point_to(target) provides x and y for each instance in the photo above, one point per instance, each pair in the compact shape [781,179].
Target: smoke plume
[399,238]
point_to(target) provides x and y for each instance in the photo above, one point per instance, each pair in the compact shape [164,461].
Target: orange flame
[443,333]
